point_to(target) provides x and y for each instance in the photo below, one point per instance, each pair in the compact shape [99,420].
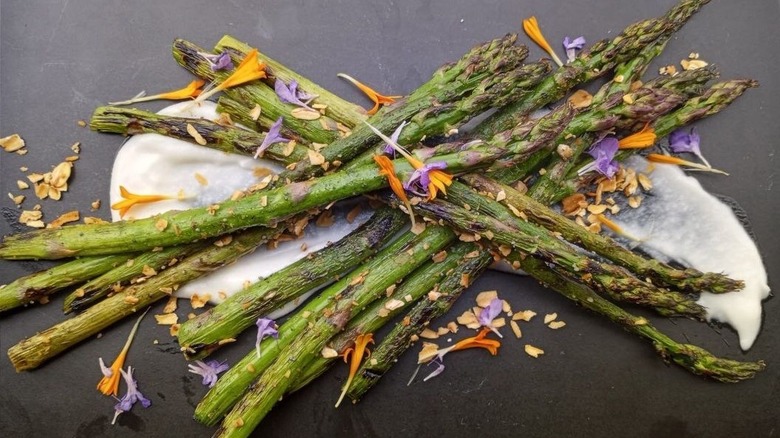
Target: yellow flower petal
[131,199]
[375,97]
[361,348]
[638,140]
[668,159]
[532,29]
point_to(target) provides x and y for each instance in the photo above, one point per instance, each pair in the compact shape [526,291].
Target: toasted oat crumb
[193,132]
[533,351]
[197,301]
[201,179]
[525,315]
[167,318]
[555,325]
[484,298]
[439,256]
[329,353]
[516,329]
[550,317]
[429,334]
[71,216]
[12,143]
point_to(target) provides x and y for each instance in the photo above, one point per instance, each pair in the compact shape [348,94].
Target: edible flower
[389,149]
[420,182]
[638,140]
[617,229]
[291,94]
[265,328]
[532,29]
[571,47]
[208,370]
[130,199]
[218,62]
[247,71]
[375,97]
[603,153]
[132,395]
[489,313]
[109,384]
[356,353]
[668,159]
[271,137]
[437,179]
[478,341]
[191,91]
[387,169]
[681,141]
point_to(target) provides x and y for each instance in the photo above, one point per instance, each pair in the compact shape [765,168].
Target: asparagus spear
[97,288]
[694,359]
[334,305]
[44,283]
[338,109]
[614,281]
[128,121]
[688,280]
[193,58]
[32,352]
[447,278]
[591,64]
[201,335]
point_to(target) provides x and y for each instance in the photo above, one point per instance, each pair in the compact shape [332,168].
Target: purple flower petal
[208,370]
[439,369]
[291,94]
[265,328]
[572,46]
[390,150]
[489,313]
[132,395]
[681,141]
[420,178]
[222,62]
[271,137]
[603,153]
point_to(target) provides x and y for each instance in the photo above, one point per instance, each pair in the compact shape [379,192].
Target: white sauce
[682,222]
[156,164]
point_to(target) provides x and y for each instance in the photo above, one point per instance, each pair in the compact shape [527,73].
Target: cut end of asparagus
[700,361]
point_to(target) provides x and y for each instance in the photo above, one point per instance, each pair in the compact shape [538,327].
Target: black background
[60,59]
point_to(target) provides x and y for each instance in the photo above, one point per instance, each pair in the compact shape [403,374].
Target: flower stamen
[375,97]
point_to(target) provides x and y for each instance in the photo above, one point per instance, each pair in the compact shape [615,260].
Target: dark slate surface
[62,58]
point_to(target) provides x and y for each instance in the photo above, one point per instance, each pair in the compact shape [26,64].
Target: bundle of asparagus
[381,271]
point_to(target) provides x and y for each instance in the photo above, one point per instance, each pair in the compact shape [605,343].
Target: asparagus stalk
[335,305]
[448,278]
[32,352]
[591,64]
[688,280]
[128,121]
[97,288]
[44,283]
[201,335]
[192,57]
[694,359]
[338,109]
[612,280]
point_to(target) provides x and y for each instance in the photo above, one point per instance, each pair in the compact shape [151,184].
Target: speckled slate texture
[59,59]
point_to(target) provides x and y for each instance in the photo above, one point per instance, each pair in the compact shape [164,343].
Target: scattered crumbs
[525,315]
[12,143]
[71,216]
[76,147]
[329,353]
[197,301]
[81,123]
[516,329]
[171,305]
[201,179]
[255,112]
[95,204]
[555,325]
[195,135]
[439,256]
[429,334]
[550,317]
[22,185]
[484,298]
[167,318]
[305,114]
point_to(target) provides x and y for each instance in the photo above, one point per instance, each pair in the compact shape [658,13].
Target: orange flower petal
[668,159]
[532,29]
[642,139]
[361,348]
[248,70]
[375,97]
[110,385]
[188,92]
[478,341]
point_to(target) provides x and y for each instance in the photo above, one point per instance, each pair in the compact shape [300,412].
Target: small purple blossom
[681,141]
[209,370]
[389,149]
[271,137]
[420,178]
[220,62]
[265,328]
[572,46]
[603,153]
[291,94]
[104,369]
[132,396]
[439,368]
[489,313]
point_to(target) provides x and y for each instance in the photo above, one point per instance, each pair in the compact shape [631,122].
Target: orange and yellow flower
[130,199]
[355,357]
[191,91]
[109,384]
[250,69]
[375,97]
[668,159]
